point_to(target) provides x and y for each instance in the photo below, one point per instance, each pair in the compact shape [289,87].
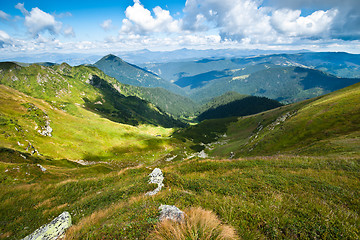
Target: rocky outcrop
[41,167]
[171,212]
[46,130]
[156,177]
[54,230]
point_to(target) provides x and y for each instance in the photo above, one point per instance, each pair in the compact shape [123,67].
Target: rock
[55,229]
[156,177]
[171,212]
[171,158]
[202,154]
[41,167]
[46,130]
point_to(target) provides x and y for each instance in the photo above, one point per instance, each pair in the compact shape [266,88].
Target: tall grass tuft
[198,224]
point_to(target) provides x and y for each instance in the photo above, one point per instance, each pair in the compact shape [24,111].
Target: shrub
[198,224]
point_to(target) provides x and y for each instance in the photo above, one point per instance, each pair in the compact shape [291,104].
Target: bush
[198,224]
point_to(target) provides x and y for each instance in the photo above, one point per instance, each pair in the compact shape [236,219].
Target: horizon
[72,27]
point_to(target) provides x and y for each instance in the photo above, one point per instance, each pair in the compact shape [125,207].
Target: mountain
[245,106]
[221,100]
[130,74]
[287,173]
[329,124]
[285,84]
[336,63]
[140,57]
[210,77]
[66,87]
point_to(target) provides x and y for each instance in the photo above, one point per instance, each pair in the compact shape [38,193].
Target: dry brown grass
[198,224]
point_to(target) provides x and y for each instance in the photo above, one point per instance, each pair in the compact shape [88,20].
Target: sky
[98,26]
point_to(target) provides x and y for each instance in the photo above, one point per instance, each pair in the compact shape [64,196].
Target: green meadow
[288,173]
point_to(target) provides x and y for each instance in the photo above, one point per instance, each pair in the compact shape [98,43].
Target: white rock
[156,177]
[55,229]
[41,167]
[202,154]
[171,212]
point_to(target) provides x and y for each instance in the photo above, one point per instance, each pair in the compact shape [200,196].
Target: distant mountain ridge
[131,74]
[284,77]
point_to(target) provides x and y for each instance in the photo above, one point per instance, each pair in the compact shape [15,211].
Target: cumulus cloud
[4,15]
[69,31]
[290,23]
[249,21]
[38,21]
[346,23]
[235,19]
[107,24]
[4,39]
[21,7]
[139,20]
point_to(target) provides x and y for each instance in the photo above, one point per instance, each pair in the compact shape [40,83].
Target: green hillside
[174,104]
[287,173]
[76,133]
[320,126]
[221,100]
[66,87]
[242,107]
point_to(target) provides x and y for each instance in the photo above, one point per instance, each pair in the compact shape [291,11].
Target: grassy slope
[320,126]
[278,197]
[84,135]
[66,86]
[273,197]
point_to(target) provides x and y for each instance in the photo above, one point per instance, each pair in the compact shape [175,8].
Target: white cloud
[107,24]
[249,21]
[235,19]
[21,7]
[4,39]
[4,15]
[290,23]
[69,31]
[38,21]
[139,20]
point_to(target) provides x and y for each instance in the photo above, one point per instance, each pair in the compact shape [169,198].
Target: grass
[299,181]
[279,197]
[198,224]
[82,136]
[321,126]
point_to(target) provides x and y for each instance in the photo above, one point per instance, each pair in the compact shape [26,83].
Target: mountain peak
[111,57]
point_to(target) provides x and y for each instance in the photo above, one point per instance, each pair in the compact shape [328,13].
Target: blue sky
[43,26]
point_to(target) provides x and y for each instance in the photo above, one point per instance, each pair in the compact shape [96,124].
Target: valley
[270,145]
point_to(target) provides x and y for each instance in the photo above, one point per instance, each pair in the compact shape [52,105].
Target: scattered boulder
[31,149]
[54,230]
[202,154]
[46,130]
[41,167]
[171,212]
[156,176]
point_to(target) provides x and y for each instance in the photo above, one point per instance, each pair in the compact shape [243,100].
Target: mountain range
[285,77]
[76,140]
